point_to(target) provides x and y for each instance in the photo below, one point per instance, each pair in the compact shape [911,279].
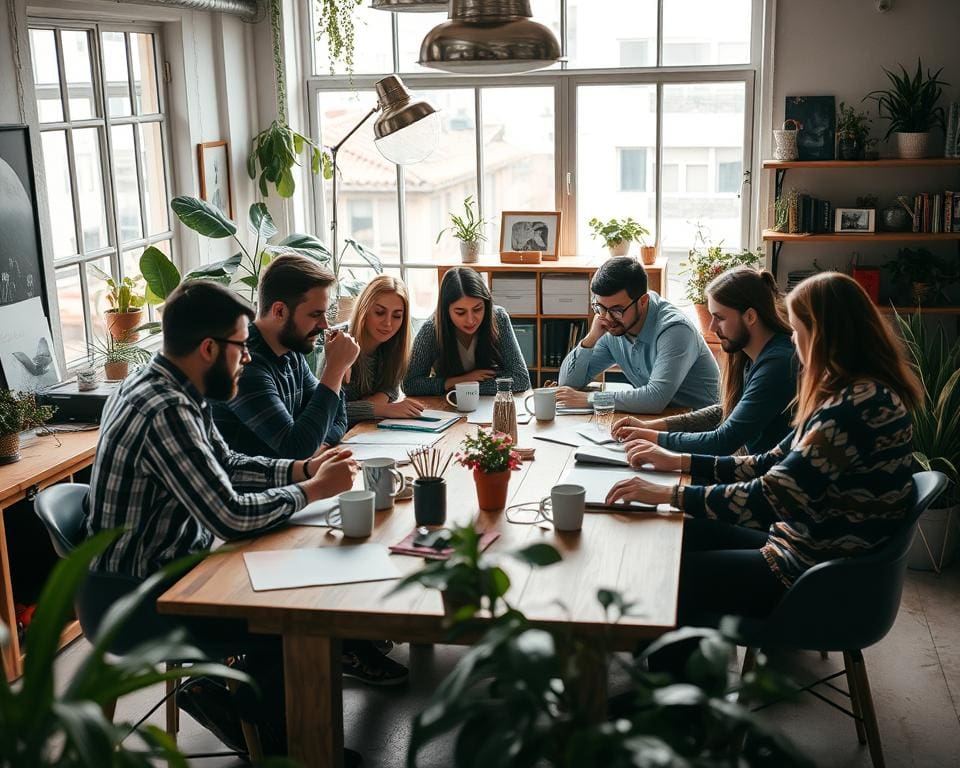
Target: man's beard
[218,382]
[288,337]
[736,343]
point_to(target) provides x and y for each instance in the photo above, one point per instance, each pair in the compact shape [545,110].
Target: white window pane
[373,44]
[518,154]
[125,183]
[411,29]
[154,185]
[76,65]
[438,185]
[614,33]
[97,301]
[46,76]
[115,66]
[699,32]
[367,179]
[56,171]
[144,74]
[605,188]
[687,109]
[70,303]
[89,175]
[423,290]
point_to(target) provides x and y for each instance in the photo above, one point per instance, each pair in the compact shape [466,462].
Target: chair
[60,509]
[846,605]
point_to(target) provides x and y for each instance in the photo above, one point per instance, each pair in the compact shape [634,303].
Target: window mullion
[478,138]
[137,158]
[658,173]
[110,202]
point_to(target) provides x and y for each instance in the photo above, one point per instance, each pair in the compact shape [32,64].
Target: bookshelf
[490,265]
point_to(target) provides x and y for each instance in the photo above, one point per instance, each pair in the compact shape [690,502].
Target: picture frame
[26,347]
[855,221]
[213,159]
[816,117]
[531,231]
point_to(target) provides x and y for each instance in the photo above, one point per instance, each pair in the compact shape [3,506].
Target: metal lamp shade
[408,129]
[489,36]
[410,6]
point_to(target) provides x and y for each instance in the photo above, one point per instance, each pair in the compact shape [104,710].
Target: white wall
[825,47]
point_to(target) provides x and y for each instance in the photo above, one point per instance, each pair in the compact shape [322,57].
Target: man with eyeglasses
[660,351]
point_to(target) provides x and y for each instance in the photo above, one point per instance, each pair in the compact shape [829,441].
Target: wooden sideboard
[44,463]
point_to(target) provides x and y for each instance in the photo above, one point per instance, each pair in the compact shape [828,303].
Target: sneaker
[210,704]
[384,646]
[362,661]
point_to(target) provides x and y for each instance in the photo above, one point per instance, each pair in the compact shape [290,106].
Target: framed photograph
[26,349]
[817,120]
[214,161]
[855,221]
[531,231]
[21,263]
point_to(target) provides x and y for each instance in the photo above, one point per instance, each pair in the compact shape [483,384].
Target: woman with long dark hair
[467,339]
[758,378]
[839,485]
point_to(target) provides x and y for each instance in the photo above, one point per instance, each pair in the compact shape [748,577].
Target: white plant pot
[469,252]
[936,542]
[619,249]
[911,146]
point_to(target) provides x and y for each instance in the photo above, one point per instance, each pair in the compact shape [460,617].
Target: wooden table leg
[593,693]
[314,698]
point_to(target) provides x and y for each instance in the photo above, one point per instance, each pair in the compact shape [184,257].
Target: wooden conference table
[637,554]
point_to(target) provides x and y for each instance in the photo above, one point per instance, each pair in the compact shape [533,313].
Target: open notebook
[597,481]
[602,454]
[427,421]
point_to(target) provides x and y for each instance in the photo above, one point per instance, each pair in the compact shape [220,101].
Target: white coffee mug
[544,403]
[356,513]
[566,505]
[381,476]
[466,396]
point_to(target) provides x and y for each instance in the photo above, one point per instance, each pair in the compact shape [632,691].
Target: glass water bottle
[505,409]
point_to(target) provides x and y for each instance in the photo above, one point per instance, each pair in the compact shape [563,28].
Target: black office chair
[845,605]
[60,509]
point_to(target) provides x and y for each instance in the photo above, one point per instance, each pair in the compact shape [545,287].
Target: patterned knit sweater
[837,487]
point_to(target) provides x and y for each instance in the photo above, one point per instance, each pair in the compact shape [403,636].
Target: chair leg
[854,697]
[749,660]
[172,711]
[866,706]
[250,733]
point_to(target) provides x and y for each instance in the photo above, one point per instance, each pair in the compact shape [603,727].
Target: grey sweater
[422,379]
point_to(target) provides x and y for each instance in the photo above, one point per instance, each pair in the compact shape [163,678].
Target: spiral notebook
[427,421]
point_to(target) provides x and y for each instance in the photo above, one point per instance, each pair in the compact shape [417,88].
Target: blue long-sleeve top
[422,379]
[761,418]
[668,363]
[280,410]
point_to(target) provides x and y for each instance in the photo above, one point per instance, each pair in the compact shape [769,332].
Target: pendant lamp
[410,6]
[489,37]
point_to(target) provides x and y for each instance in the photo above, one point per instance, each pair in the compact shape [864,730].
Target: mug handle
[526,405]
[403,481]
[449,401]
[546,503]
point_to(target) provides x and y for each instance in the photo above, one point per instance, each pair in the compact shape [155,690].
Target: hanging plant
[335,22]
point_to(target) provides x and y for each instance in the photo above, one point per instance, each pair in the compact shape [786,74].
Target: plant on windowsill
[117,355]
[18,411]
[491,457]
[910,104]
[126,304]
[468,229]
[617,234]
[927,276]
[852,130]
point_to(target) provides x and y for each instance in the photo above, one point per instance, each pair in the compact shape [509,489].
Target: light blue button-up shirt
[668,363]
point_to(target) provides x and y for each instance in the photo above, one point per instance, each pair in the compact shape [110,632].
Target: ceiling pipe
[248,10]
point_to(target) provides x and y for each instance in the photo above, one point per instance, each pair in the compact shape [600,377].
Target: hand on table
[568,397]
[625,423]
[638,489]
[333,471]
[640,452]
[408,408]
[478,374]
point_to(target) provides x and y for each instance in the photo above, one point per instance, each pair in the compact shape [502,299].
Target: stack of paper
[602,454]
[427,421]
[392,437]
[599,480]
[344,564]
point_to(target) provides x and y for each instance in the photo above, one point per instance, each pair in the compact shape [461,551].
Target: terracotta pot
[491,489]
[9,448]
[911,146]
[116,371]
[345,308]
[703,315]
[619,249]
[119,324]
[469,252]
[648,255]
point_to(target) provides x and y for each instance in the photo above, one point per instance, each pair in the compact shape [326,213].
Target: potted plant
[468,229]
[936,437]
[126,304]
[18,411]
[926,275]
[910,104]
[617,234]
[116,356]
[852,130]
[491,457]
[704,263]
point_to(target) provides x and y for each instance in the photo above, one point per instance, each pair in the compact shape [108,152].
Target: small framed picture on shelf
[855,221]
[531,231]
[213,157]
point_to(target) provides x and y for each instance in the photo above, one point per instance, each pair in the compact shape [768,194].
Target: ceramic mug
[356,513]
[544,403]
[564,507]
[379,476]
[466,396]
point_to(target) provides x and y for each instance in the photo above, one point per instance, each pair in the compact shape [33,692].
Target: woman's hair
[743,288]
[458,283]
[848,340]
[395,351]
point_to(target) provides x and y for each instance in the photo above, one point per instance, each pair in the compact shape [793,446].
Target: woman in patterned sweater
[837,486]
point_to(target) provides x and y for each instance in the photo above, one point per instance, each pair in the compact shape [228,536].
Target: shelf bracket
[780,173]
[775,262]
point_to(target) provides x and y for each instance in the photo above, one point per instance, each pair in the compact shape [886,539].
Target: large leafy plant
[126,296]
[936,423]
[40,727]
[921,266]
[273,154]
[615,231]
[706,261]
[910,104]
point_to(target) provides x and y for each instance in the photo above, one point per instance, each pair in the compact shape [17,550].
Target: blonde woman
[381,325]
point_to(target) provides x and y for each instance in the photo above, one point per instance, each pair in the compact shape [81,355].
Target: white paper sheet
[594,434]
[344,564]
[315,513]
[364,451]
[393,437]
[599,480]
[484,412]
[563,435]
